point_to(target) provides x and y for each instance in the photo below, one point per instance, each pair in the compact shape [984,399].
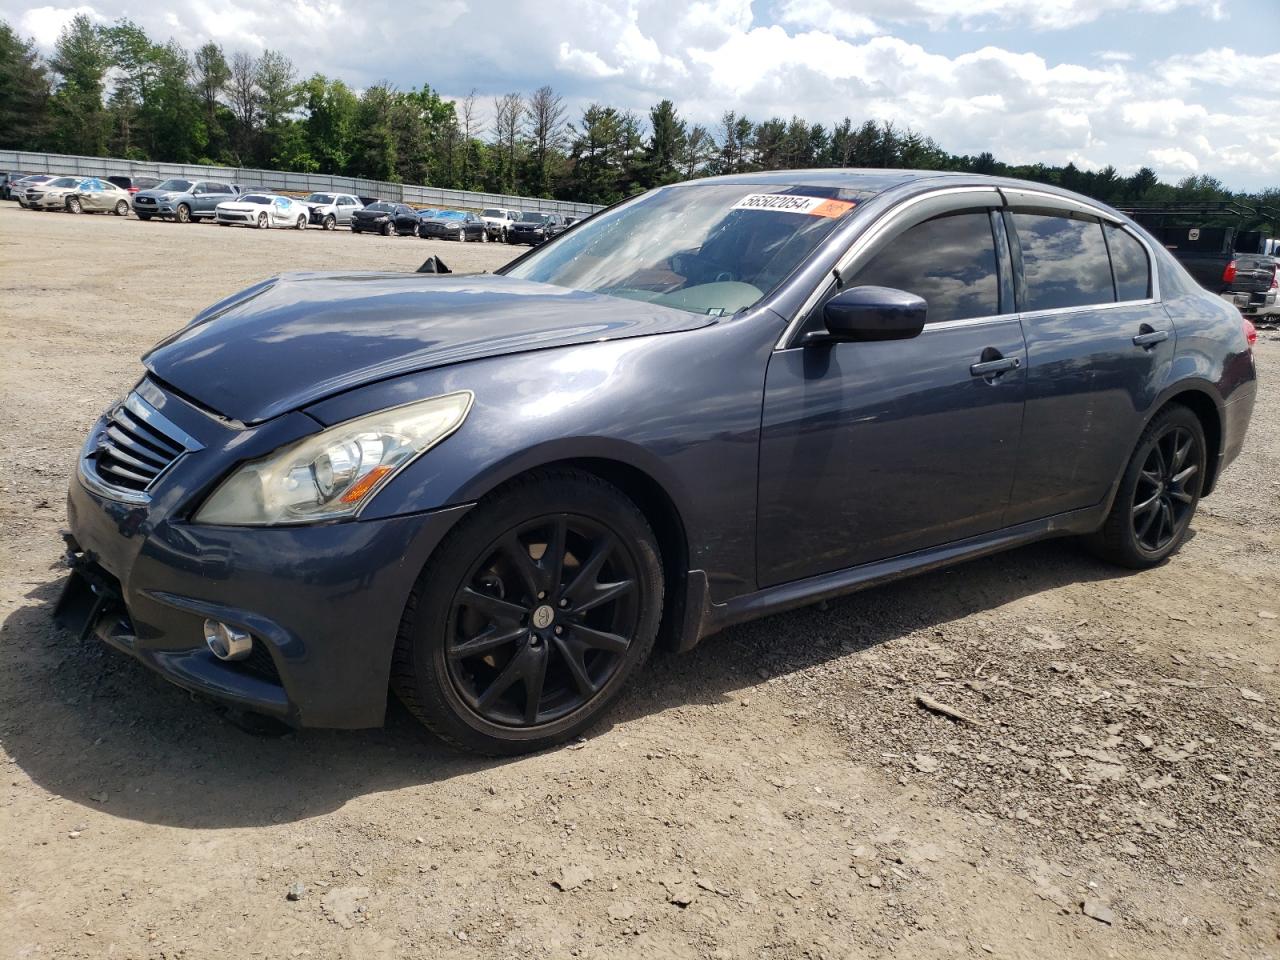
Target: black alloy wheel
[558,601]
[1158,493]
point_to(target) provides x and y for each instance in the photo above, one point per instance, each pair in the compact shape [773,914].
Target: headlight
[336,472]
[451,226]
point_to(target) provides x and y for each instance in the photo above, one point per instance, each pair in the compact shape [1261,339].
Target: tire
[484,235]
[330,222]
[122,209]
[183,213]
[74,205]
[262,221]
[144,217]
[388,229]
[584,650]
[301,224]
[1158,494]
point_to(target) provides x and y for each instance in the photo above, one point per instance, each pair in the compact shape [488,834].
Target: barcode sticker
[791,203]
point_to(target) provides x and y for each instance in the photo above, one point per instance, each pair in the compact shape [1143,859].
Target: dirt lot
[778,793]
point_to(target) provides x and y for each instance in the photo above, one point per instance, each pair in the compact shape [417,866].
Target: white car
[262,210]
[499,220]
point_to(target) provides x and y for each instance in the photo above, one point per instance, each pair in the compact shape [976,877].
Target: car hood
[529,224]
[365,214]
[159,194]
[240,205]
[441,221]
[295,339]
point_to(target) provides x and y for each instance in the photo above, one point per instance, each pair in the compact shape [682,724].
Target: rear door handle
[989,368]
[1149,337]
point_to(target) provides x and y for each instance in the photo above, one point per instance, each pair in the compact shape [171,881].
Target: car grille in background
[144,200]
[224,215]
[135,446]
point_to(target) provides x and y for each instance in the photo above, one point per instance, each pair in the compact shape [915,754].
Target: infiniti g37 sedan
[493,494]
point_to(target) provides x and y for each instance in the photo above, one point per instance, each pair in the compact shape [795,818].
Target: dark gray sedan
[493,494]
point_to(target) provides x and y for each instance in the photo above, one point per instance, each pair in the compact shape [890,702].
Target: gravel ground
[1108,788]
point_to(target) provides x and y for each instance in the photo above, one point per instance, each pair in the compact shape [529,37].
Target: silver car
[332,210]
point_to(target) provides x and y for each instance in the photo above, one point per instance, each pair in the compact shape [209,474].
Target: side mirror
[871,314]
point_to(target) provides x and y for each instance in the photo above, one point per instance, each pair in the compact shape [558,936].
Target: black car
[385,218]
[494,493]
[452,225]
[535,228]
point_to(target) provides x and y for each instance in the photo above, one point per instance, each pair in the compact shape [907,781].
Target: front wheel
[301,224]
[262,221]
[1158,493]
[484,235]
[73,205]
[330,222]
[184,213]
[531,616]
[388,228]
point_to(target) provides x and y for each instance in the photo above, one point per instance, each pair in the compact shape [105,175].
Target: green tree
[374,153]
[210,75]
[80,62]
[24,93]
[331,119]
[662,156]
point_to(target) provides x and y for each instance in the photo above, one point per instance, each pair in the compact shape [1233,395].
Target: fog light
[227,642]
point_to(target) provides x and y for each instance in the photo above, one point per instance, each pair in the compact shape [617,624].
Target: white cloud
[43,24]
[823,60]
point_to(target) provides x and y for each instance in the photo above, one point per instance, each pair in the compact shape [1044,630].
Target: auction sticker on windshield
[791,203]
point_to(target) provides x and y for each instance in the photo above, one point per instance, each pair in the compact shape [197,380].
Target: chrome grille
[134,446]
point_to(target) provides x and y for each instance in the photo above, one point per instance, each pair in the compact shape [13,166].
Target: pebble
[296,891]
[1098,910]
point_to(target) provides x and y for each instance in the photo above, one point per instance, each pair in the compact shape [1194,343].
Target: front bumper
[1256,303]
[156,208]
[433,232]
[323,602]
[531,237]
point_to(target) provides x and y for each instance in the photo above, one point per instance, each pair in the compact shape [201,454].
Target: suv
[331,210]
[134,184]
[498,221]
[183,200]
[534,228]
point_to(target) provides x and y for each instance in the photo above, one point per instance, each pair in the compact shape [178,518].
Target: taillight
[1275,276]
[1250,332]
[1229,274]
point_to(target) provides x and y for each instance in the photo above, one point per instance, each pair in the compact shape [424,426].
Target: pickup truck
[1212,257]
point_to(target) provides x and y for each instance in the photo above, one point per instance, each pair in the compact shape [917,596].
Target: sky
[1182,86]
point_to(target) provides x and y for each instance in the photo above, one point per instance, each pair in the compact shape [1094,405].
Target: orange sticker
[832,208]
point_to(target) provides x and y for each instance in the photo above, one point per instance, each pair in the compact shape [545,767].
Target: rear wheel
[1158,494]
[183,214]
[122,208]
[531,615]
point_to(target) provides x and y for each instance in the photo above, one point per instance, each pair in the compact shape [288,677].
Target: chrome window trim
[971,322]
[872,232]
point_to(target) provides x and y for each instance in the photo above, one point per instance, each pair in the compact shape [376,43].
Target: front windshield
[320,198]
[181,186]
[254,198]
[450,215]
[496,214]
[710,248]
[534,217]
[379,207]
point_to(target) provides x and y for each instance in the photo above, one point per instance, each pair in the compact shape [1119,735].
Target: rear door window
[1129,264]
[950,261]
[1064,261]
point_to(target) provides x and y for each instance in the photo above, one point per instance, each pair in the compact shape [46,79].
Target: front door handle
[1147,337]
[989,368]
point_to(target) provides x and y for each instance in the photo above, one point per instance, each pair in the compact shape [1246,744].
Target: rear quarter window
[1064,261]
[1129,263]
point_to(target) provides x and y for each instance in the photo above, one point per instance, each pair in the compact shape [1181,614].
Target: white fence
[64,165]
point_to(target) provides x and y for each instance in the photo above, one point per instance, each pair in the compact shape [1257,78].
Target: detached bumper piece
[92,605]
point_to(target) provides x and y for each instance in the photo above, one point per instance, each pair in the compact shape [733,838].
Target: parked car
[132,185]
[33,196]
[83,195]
[332,210]
[18,188]
[7,180]
[535,228]
[1251,283]
[499,220]
[453,225]
[263,210]
[385,218]
[183,200]
[492,493]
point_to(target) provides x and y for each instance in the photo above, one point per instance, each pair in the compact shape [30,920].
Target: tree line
[111,90]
